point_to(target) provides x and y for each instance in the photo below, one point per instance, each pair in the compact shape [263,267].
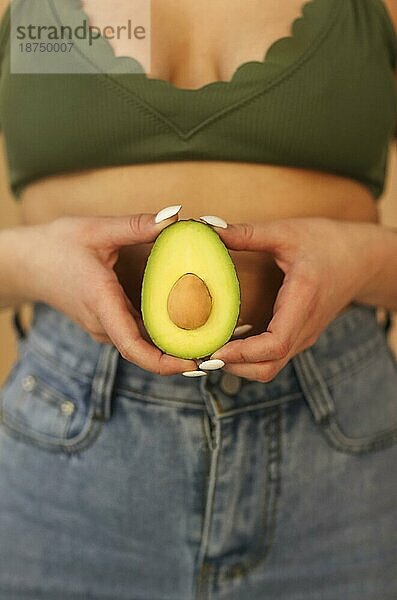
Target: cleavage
[193,47]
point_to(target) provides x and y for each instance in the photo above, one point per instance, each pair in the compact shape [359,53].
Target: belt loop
[313,386]
[17,325]
[103,381]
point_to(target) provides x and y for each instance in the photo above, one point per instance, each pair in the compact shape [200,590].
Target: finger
[126,230]
[115,318]
[292,308]
[102,338]
[93,327]
[263,372]
[142,329]
[273,236]
[128,302]
[241,330]
[136,316]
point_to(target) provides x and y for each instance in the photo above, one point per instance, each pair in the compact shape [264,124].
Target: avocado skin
[190,246]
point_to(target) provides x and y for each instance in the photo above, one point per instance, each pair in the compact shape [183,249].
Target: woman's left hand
[327,264]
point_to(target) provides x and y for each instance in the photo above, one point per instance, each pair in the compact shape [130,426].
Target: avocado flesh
[181,248]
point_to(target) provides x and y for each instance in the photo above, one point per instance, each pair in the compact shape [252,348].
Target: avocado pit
[189,302]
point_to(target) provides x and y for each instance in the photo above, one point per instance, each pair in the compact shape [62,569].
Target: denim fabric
[118,484]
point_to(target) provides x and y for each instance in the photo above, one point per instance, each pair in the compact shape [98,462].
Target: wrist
[373,253]
[10,289]
[24,239]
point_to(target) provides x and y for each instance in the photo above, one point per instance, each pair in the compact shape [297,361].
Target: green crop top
[323,98]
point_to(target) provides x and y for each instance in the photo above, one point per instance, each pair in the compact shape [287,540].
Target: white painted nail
[241,330]
[212,364]
[194,373]
[215,221]
[167,213]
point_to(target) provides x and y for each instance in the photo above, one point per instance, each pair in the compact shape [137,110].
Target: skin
[323,272]
[316,207]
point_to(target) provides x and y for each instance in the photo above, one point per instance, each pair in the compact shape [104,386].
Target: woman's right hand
[68,264]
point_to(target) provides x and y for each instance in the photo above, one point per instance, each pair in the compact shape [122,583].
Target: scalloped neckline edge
[295,30]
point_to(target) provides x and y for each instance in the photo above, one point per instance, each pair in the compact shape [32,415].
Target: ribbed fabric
[323,98]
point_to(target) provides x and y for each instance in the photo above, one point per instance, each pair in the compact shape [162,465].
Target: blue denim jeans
[119,484]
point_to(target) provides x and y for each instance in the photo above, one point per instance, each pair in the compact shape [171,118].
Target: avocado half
[190,292]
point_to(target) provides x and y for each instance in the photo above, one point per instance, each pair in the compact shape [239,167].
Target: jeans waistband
[348,339]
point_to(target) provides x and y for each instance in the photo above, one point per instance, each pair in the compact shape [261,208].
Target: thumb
[131,229]
[271,236]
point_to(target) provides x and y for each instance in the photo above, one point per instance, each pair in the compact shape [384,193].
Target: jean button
[230,384]
[29,383]
[67,407]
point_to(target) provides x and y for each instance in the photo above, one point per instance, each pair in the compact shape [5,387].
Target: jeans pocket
[356,408]
[44,405]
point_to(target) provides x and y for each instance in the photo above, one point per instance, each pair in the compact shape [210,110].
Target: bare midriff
[237,192]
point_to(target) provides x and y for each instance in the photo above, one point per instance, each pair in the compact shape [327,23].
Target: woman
[271,476]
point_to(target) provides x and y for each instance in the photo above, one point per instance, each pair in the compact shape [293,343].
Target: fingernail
[212,364]
[241,330]
[214,221]
[167,213]
[193,373]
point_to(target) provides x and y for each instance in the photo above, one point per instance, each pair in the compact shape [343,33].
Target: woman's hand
[68,264]
[327,265]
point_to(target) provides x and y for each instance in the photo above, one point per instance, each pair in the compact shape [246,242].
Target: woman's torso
[236,191]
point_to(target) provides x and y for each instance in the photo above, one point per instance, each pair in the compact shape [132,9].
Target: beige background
[9,216]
